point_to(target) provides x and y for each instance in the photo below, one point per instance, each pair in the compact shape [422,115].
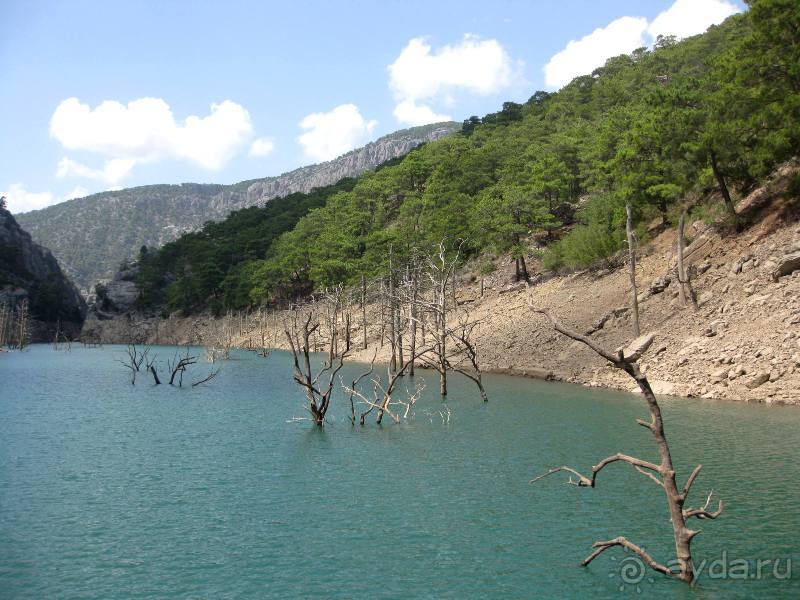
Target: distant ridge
[91,236]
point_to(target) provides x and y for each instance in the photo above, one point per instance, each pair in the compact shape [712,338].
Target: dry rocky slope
[91,236]
[743,343]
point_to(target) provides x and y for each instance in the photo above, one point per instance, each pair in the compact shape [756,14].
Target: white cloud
[262,147]
[419,76]
[682,19]
[145,131]
[690,17]
[20,200]
[115,170]
[333,133]
[582,56]
[413,114]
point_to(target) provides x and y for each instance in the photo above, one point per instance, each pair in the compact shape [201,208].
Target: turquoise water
[113,491]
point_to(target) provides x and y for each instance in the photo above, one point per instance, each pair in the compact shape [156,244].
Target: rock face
[91,236]
[30,272]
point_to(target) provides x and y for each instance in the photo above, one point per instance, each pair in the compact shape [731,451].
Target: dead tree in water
[142,360]
[178,367]
[382,396]
[466,349]
[441,269]
[663,473]
[410,291]
[263,350]
[151,366]
[354,386]
[134,359]
[318,392]
[222,338]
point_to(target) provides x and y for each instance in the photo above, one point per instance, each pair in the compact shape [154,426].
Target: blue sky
[102,95]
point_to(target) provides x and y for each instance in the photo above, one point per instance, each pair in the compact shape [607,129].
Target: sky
[99,95]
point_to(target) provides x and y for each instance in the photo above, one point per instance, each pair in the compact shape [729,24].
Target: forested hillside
[655,129]
[91,236]
[208,267]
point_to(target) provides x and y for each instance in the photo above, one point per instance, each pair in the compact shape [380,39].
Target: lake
[109,490]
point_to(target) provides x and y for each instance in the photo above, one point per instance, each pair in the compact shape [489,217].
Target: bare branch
[621,541]
[209,377]
[704,513]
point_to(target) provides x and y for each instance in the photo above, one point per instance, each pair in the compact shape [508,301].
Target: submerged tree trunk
[632,269]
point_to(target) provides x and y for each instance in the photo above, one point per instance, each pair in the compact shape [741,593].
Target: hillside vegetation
[91,236]
[549,177]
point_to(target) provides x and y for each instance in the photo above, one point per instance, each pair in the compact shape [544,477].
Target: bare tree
[14,324]
[61,337]
[151,366]
[440,273]
[354,386]
[213,373]
[684,278]
[410,297]
[6,321]
[466,351]
[133,360]
[178,366]
[222,337]
[137,360]
[263,349]
[392,301]
[382,398]
[364,310]
[663,473]
[318,390]
[631,234]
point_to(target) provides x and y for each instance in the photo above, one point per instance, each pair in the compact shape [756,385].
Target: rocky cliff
[29,272]
[92,236]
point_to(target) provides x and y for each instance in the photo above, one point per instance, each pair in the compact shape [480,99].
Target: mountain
[92,236]
[30,272]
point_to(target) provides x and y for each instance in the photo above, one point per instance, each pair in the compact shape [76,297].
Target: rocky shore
[741,343]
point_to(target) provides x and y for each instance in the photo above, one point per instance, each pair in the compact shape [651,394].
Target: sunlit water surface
[109,490]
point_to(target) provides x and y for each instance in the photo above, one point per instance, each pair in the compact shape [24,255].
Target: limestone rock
[756,380]
[637,347]
[788,264]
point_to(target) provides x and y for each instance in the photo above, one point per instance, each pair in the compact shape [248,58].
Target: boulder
[637,347]
[788,264]
[660,284]
[663,388]
[756,380]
